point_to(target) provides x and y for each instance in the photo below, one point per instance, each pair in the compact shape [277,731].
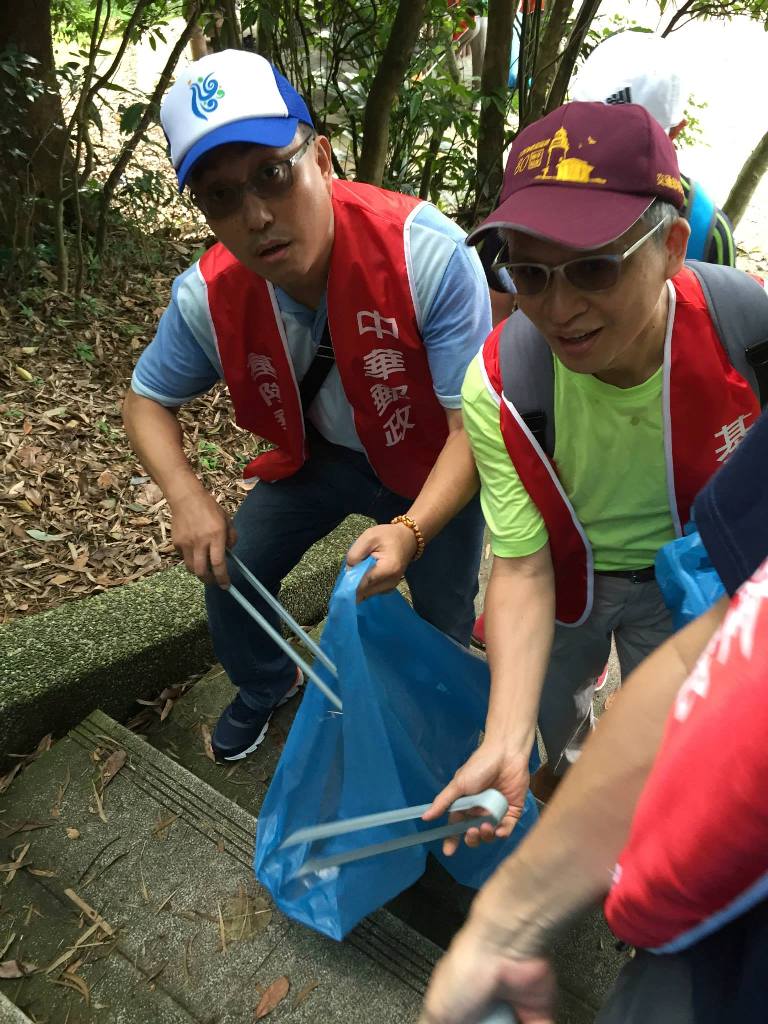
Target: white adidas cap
[232,96]
[634,67]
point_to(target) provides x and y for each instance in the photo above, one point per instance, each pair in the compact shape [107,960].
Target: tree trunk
[493,98]
[268,18]
[230,33]
[584,19]
[27,26]
[747,181]
[546,60]
[198,46]
[387,80]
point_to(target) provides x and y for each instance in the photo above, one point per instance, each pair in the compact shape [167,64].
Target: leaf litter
[78,513]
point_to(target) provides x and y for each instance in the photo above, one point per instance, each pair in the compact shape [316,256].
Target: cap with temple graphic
[232,96]
[582,175]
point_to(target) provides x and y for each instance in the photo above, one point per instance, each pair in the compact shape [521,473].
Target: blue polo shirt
[182,360]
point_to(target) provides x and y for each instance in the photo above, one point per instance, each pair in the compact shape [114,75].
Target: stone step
[188,935]
[586,958]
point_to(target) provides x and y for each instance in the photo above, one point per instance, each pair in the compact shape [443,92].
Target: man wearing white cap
[637,67]
[342,318]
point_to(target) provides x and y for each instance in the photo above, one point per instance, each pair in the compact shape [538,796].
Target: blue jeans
[278,522]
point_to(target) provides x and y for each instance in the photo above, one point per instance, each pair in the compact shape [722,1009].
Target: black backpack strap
[322,364]
[738,306]
[528,377]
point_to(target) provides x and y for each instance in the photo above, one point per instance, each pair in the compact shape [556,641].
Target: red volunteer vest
[376,339]
[702,395]
[697,853]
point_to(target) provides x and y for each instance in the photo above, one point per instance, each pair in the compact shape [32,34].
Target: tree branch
[129,148]
[386,82]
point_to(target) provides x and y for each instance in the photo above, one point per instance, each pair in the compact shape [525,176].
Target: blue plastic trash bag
[688,580]
[414,705]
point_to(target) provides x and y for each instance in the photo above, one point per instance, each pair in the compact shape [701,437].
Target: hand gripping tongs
[491,800]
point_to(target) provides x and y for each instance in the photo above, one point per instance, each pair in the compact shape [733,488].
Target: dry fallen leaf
[19,853]
[106,479]
[274,994]
[304,993]
[112,766]
[16,969]
[73,981]
[205,732]
[73,833]
[162,825]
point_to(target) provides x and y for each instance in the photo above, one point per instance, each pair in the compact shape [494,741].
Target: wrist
[513,739]
[511,912]
[411,527]
[182,488]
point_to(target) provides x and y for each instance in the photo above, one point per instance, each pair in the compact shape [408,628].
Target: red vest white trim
[702,395]
[376,337]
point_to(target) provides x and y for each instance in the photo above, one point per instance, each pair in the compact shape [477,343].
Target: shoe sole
[222,758]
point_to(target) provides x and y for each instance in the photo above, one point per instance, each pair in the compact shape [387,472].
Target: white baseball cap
[232,96]
[634,67]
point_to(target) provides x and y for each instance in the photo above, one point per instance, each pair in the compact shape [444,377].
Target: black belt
[634,575]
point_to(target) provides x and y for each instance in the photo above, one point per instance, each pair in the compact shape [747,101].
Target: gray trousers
[637,617]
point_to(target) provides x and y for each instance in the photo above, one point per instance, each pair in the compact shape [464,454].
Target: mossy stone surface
[130,642]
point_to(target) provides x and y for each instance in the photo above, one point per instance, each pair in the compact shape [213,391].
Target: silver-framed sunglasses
[268,181]
[595,273]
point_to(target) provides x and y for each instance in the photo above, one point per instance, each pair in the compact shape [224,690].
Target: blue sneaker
[240,729]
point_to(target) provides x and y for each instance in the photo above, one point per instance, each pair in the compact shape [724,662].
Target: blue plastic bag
[687,579]
[414,705]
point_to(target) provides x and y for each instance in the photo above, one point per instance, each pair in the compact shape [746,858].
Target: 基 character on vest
[342,318]
[595,413]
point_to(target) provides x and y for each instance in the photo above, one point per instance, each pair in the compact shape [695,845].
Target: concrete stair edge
[11,1014]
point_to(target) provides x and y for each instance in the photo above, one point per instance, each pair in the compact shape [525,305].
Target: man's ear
[675,245]
[323,157]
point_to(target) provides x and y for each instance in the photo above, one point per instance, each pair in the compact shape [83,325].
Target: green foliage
[706,10]
[209,456]
[330,50]
[84,352]
[72,20]
[692,134]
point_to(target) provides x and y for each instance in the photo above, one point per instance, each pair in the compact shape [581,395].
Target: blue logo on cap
[205,96]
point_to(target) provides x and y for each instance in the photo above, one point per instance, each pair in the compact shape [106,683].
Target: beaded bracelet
[420,542]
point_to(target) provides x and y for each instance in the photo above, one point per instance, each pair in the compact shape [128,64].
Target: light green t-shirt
[609,450]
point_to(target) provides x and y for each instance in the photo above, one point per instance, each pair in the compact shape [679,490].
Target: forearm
[567,861]
[156,437]
[519,628]
[452,483]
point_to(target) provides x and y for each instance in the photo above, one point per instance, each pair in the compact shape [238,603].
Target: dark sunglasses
[267,182]
[587,273]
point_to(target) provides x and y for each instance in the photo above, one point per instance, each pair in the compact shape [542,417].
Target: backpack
[700,212]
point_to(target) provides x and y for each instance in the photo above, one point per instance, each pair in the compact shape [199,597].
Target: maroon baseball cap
[582,175]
